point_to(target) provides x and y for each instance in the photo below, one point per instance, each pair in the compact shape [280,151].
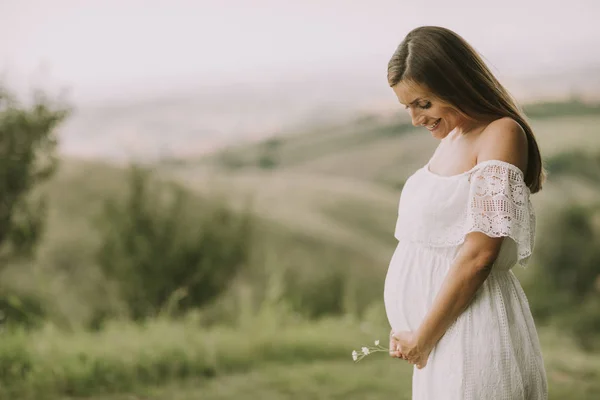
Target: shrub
[566,283]
[168,251]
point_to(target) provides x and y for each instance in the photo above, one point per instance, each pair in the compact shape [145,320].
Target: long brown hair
[443,62]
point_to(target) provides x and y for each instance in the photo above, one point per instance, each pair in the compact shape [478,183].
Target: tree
[28,143]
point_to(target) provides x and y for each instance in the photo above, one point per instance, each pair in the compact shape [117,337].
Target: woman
[456,309]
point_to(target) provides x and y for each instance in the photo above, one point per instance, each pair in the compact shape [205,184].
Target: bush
[577,163]
[566,284]
[569,253]
[20,309]
[268,157]
[168,251]
[586,323]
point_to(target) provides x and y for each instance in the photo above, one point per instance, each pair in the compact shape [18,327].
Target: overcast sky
[113,48]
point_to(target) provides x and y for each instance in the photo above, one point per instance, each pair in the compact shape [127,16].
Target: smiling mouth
[435,125]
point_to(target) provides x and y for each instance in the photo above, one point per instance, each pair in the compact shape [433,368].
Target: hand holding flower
[407,346]
[395,347]
[404,345]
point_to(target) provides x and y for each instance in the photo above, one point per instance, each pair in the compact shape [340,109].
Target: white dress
[492,350]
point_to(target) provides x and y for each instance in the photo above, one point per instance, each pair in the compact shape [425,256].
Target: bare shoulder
[505,140]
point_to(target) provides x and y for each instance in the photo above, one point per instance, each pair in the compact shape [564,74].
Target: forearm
[460,285]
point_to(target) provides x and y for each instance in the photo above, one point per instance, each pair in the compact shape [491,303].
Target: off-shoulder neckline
[477,166]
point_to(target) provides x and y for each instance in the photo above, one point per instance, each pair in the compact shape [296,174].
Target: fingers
[394,350]
[396,353]
[416,363]
[394,346]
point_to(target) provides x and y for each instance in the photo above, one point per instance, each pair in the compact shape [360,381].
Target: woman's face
[425,109]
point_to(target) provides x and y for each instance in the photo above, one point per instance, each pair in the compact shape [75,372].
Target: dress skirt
[490,352]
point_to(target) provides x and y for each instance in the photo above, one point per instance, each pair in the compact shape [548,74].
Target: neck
[470,126]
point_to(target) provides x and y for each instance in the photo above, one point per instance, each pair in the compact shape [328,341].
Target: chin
[442,131]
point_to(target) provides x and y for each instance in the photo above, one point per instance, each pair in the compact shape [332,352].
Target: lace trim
[499,205]
[495,201]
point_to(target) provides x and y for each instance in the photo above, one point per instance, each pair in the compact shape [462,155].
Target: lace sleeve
[499,205]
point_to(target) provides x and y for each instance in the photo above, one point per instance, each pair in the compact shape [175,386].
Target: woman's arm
[466,275]
[469,270]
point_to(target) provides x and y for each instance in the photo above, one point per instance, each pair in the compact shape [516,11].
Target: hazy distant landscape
[202,119]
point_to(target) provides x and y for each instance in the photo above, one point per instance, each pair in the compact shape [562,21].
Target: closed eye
[423,107]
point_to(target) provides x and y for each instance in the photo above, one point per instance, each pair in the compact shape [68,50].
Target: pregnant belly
[414,277]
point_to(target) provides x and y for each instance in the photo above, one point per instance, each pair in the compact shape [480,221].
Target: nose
[416,117]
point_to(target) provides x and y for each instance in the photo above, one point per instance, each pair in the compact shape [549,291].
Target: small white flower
[377,343]
[354,355]
[365,351]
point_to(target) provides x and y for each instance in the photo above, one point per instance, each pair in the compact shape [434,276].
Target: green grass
[272,355]
[375,379]
[571,374]
[126,357]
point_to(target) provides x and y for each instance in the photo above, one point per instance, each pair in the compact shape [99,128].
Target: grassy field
[379,379]
[375,379]
[270,356]
[572,376]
